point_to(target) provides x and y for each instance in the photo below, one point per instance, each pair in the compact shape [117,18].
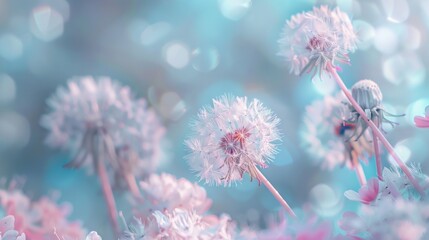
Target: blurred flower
[93,236]
[7,229]
[179,224]
[312,40]
[41,219]
[306,227]
[135,230]
[166,192]
[423,122]
[394,186]
[100,117]
[326,134]
[369,97]
[231,138]
[395,220]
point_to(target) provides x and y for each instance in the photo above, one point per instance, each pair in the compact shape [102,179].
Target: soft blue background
[238,56]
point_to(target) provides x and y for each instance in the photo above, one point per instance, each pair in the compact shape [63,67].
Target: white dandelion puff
[234,137]
[312,40]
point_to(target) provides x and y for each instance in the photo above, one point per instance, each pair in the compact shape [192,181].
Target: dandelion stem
[105,185]
[132,185]
[375,130]
[360,174]
[377,156]
[273,191]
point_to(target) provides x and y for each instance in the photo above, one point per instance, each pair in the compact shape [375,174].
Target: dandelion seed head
[100,116]
[369,97]
[231,138]
[367,94]
[312,40]
[326,134]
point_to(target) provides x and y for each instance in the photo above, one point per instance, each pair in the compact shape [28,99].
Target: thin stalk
[105,185]
[273,191]
[132,185]
[375,130]
[360,174]
[377,156]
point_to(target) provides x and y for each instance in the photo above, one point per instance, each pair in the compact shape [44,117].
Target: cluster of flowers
[40,219]
[118,136]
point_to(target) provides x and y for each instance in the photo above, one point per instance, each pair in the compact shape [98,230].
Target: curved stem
[375,129]
[107,189]
[273,191]
[132,185]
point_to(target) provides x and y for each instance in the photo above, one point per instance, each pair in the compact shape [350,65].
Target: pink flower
[367,193]
[232,138]
[166,192]
[422,122]
[41,219]
[394,186]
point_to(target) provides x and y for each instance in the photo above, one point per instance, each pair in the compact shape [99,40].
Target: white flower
[312,40]
[326,134]
[166,192]
[231,138]
[181,224]
[369,97]
[7,229]
[99,116]
[93,236]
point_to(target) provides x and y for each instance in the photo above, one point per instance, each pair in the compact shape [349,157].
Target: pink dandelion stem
[107,190]
[360,174]
[377,156]
[375,129]
[273,191]
[132,185]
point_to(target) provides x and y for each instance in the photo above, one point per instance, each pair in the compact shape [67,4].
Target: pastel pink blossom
[7,229]
[41,219]
[166,192]
[231,138]
[326,134]
[395,220]
[422,122]
[312,40]
[367,193]
[394,186]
